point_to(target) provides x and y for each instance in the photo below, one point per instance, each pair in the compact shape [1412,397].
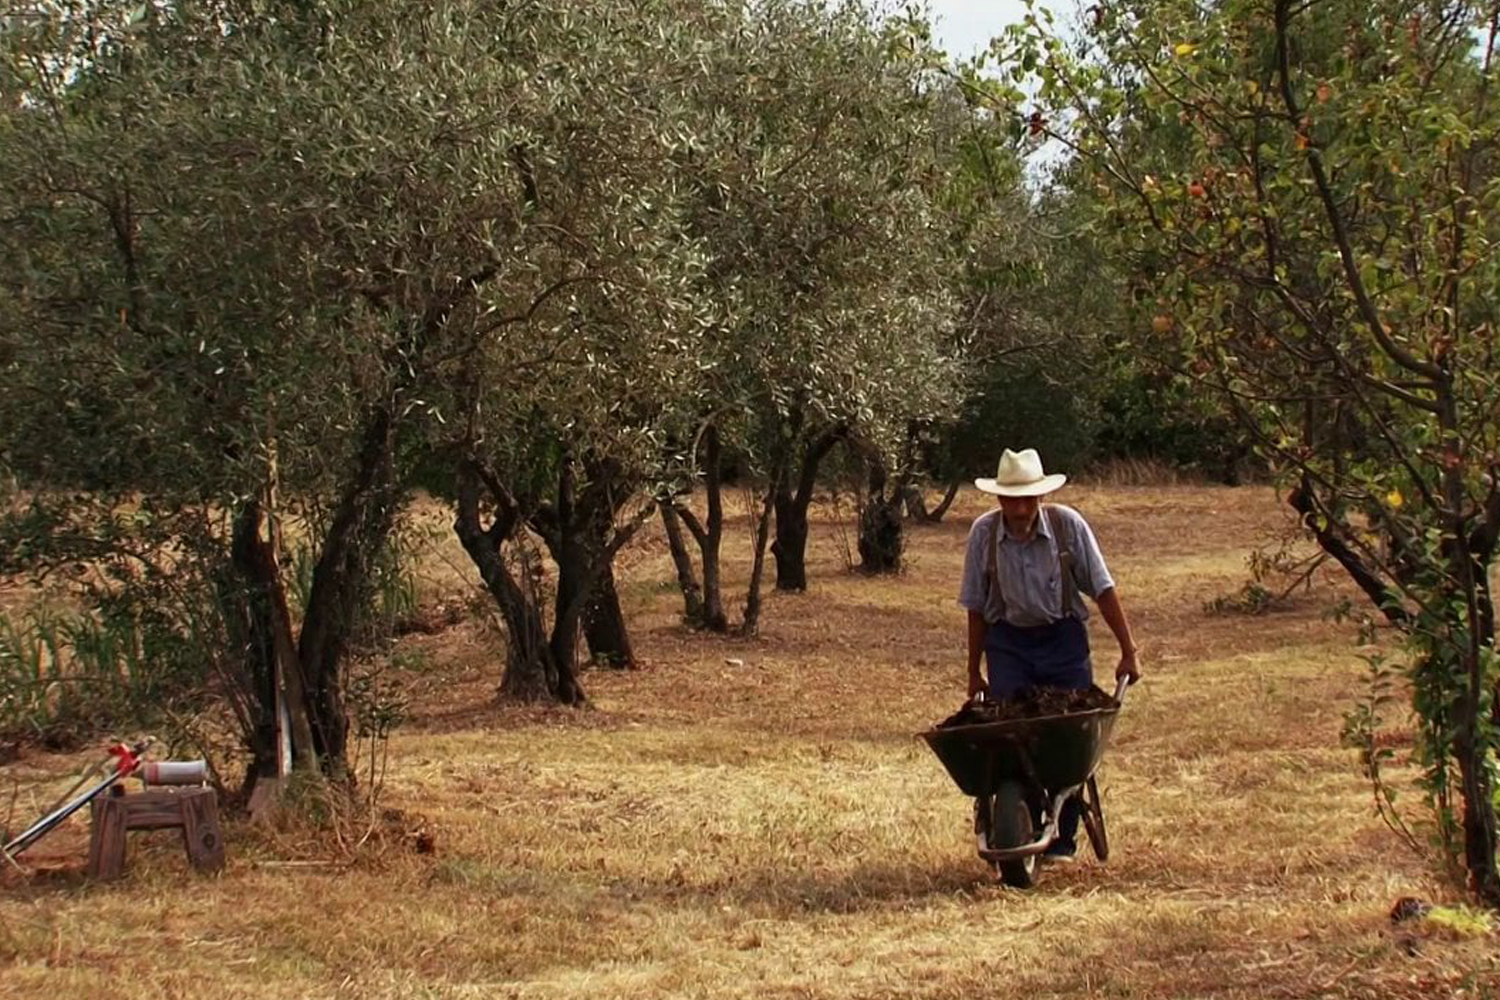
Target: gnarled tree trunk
[880,536]
[604,625]
[257,606]
[578,531]
[682,561]
[532,671]
[581,534]
[916,502]
[709,536]
[302,672]
[751,623]
[790,547]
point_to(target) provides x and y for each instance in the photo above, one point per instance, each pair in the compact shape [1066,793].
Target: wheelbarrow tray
[1053,752]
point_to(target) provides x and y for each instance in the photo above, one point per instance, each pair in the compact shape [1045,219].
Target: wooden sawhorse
[195,811]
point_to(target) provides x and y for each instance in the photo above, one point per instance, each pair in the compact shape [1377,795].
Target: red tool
[123,760]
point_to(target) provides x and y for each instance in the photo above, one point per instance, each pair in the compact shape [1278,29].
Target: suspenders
[1059,526]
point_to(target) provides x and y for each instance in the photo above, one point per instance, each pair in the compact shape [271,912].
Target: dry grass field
[771,828]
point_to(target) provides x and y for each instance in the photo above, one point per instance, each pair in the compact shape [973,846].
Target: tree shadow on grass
[875,886]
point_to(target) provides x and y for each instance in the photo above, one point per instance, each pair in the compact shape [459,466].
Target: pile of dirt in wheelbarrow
[1030,704]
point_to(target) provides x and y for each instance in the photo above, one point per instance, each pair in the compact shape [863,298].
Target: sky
[963,27]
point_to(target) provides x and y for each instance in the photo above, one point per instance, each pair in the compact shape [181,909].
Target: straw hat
[1020,475]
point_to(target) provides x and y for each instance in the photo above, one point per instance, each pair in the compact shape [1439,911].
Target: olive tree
[813,202]
[1008,331]
[246,243]
[566,432]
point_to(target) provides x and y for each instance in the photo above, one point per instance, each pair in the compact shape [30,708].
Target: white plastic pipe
[174,772]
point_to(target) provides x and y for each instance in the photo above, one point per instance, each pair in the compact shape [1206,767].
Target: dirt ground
[755,817]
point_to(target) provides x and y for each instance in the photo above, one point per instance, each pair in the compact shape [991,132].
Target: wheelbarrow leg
[1093,819]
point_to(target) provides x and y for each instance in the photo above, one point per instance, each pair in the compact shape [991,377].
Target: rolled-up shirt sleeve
[1089,569]
[971,591]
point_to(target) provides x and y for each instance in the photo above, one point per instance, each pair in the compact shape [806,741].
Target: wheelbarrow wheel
[1011,826]
[1093,819]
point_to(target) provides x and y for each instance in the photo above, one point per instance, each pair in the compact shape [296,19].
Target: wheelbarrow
[1021,772]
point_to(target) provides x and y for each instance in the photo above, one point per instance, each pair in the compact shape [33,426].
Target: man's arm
[973,593]
[1114,616]
[976,647]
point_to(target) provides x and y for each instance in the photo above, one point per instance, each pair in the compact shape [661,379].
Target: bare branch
[1335,217]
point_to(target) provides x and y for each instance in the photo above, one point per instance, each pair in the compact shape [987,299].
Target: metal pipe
[125,759]
[35,831]
[1044,839]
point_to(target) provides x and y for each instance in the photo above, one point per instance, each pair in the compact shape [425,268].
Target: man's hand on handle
[976,683]
[976,651]
[1114,616]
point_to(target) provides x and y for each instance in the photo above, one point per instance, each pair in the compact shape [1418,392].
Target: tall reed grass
[65,674]
[393,586]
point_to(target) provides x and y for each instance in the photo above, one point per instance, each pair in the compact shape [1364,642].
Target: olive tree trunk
[604,625]
[880,532]
[301,674]
[533,670]
[916,502]
[791,506]
[703,601]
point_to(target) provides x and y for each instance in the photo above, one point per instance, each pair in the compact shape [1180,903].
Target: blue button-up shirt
[1028,569]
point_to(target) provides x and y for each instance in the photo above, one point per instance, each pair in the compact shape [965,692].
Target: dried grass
[1139,472]
[773,829]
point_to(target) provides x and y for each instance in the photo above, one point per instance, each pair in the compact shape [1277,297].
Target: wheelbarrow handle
[1121,686]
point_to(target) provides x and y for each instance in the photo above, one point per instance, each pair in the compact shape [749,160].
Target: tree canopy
[1299,198]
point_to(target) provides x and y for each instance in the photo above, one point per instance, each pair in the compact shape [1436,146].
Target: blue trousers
[1056,655]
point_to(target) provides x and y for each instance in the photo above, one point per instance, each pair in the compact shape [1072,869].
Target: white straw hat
[1020,475]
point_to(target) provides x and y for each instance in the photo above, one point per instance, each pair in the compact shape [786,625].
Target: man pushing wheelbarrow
[1030,766]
